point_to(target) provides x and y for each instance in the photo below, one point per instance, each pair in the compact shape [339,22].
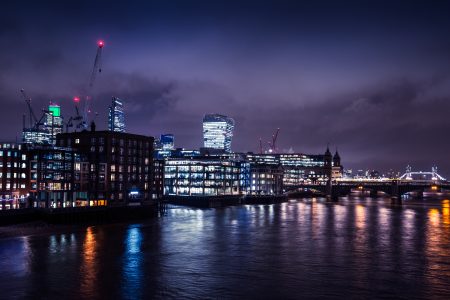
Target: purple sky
[371,78]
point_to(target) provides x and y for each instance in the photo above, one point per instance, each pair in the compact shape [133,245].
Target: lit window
[77,141]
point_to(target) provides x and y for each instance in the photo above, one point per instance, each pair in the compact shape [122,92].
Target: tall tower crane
[33,119]
[273,143]
[96,69]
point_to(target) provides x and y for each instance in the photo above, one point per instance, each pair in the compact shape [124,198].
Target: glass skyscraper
[116,119]
[217,132]
[53,124]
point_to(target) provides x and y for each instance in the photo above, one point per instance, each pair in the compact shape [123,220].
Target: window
[24,157]
[77,141]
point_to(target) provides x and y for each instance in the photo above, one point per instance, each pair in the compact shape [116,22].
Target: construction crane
[77,118]
[273,143]
[33,119]
[96,69]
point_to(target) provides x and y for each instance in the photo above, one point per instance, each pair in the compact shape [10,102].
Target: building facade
[298,168]
[33,136]
[203,176]
[265,179]
[14,177]
[121,169]
[217,132]
[116,116]
[56,177]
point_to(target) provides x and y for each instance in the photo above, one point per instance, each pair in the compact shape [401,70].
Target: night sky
[370,77]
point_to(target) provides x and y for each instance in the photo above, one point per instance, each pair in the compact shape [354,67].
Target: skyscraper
[53,121]
[116,119]
[217,132]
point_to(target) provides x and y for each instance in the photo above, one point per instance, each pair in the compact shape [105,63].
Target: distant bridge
[407,183]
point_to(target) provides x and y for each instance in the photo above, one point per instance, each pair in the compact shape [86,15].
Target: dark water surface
[359,248]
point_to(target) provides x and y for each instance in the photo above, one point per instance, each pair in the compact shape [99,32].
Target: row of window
[14,175]
[12,154]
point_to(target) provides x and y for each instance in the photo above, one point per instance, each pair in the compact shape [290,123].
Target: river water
[308,248]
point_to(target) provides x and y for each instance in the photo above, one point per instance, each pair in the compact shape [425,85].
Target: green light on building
[55,110]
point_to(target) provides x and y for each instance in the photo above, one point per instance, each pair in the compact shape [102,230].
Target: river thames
[357,248]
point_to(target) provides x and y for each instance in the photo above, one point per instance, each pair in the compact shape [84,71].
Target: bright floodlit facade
[218,132]
[204,176]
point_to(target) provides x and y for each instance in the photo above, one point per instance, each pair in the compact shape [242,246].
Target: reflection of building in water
[89,264]
[437,241]
[446,212]
[132,265]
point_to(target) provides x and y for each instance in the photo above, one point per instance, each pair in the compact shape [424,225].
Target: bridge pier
[332,192]
[396,197]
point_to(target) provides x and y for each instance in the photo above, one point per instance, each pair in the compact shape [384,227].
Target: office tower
[53,121]
[217,132]
[116,119]
[167,141]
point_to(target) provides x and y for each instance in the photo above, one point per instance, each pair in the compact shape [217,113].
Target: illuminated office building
[116,118]
[167,141]
[53,122]
[204,176]
[34,136]
[217,132]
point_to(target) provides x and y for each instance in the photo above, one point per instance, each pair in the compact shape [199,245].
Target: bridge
[417,182]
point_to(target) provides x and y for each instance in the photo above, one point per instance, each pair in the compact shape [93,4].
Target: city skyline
[364,77]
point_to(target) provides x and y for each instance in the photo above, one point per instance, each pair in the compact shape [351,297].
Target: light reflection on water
[88,269]
[132,264]
[359,247]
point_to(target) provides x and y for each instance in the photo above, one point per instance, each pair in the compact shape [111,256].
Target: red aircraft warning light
[100,43]
[76,99]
